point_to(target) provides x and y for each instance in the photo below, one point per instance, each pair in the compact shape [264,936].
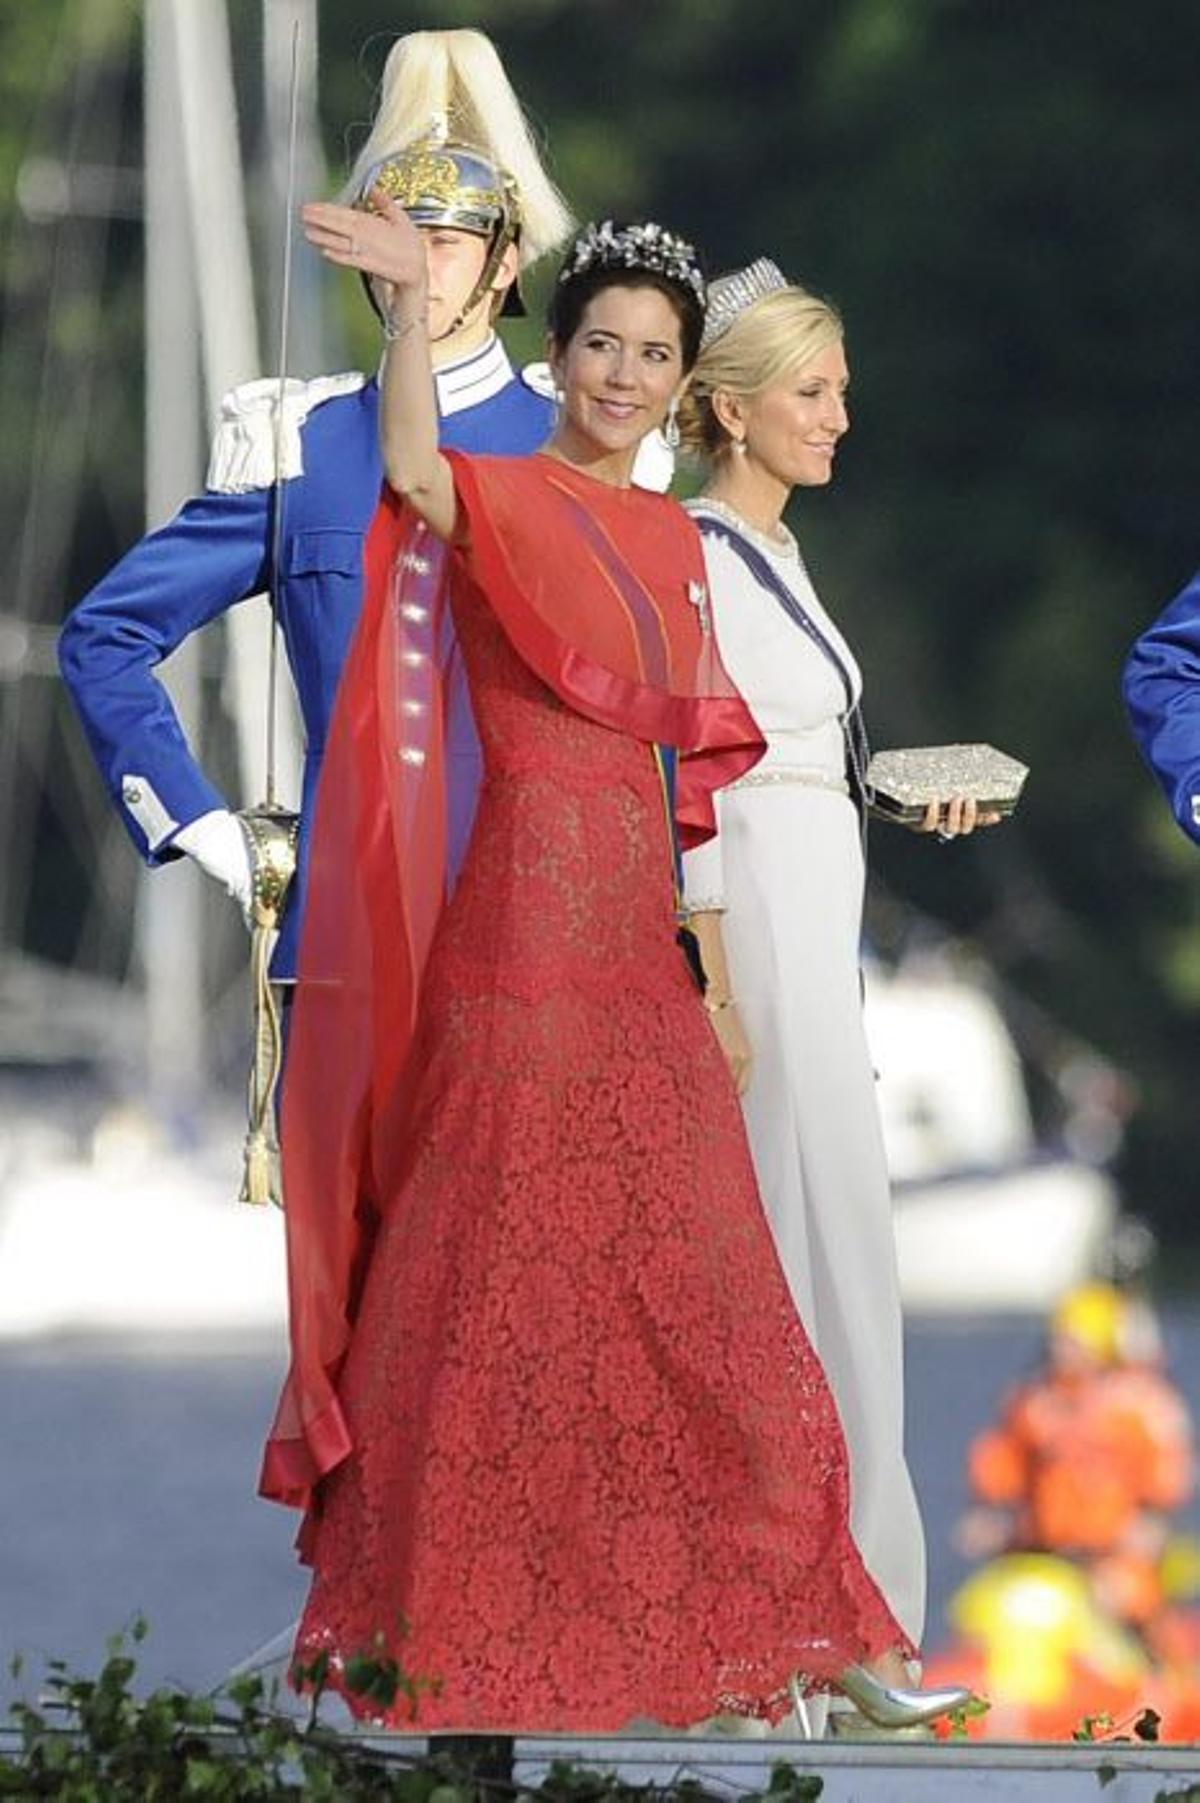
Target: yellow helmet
[1094,1316]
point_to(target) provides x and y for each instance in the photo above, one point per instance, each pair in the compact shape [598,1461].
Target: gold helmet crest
[440,181]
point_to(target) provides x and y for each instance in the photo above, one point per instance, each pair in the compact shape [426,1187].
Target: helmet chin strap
[460,318]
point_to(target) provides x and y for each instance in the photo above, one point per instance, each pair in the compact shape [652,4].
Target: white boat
[108,1225]
[108,1220]
[135,1238]
[986,1219]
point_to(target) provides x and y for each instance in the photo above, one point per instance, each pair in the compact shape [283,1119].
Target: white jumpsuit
[787,869]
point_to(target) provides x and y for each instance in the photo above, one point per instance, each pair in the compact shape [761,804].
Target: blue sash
[854,731]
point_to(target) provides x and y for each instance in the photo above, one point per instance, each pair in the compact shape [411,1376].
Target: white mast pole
[169,926]
[306,355]
[199,295]
[229,334]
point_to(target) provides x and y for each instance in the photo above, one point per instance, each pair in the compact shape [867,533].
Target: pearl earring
[739,446]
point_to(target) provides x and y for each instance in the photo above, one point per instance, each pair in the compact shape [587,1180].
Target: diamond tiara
[731,294]
[648,246]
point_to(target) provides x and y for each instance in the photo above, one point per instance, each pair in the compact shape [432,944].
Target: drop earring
[671,425]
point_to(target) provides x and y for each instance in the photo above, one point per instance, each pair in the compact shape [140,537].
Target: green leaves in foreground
[1140,1725]
[91,1740]
[970,1710]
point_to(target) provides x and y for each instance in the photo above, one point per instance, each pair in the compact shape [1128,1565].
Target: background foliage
[1000,196]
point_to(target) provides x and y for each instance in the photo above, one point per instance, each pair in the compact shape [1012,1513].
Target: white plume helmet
[455,81]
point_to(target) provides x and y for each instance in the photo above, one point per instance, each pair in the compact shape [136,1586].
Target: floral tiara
[648,246]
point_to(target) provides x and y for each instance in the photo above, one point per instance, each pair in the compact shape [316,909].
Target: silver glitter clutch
[901,784]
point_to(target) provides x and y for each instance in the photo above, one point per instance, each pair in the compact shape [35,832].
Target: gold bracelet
[726,1001]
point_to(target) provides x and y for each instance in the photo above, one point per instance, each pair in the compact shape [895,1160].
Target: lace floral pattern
[597,1473]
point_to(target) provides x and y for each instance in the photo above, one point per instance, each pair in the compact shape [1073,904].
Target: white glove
[218,844]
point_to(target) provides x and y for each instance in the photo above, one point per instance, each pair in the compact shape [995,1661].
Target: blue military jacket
[1162,693]
[215,553]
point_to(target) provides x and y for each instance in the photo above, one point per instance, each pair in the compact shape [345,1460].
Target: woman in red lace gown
[563,1446]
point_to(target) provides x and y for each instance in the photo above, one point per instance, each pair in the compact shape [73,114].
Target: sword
[272,832]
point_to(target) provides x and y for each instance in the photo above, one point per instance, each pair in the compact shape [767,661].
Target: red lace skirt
[597,1473]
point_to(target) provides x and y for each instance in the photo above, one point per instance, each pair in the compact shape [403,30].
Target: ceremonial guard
[1162,694]
[451,144]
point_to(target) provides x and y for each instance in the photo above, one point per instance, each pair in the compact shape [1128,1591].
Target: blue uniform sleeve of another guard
[213,554]
[1162,694]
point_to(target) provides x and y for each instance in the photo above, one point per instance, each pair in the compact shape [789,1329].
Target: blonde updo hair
[773,338]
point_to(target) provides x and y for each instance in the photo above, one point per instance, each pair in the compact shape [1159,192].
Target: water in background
[127,1476]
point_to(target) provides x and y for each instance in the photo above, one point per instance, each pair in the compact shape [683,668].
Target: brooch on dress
[697,594]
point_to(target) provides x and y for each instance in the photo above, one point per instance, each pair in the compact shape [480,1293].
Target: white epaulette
[243,450]
[654,466]
[537,376]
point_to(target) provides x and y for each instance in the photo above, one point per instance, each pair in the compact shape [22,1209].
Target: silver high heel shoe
[893,1706]
[888,1705]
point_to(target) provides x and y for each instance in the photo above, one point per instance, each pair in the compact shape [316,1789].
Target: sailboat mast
[306,351]
[199,287]
[216,202]
[169,923]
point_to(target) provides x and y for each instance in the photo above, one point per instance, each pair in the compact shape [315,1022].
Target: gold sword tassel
[272,834]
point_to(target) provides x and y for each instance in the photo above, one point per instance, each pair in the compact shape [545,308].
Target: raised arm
[383,243]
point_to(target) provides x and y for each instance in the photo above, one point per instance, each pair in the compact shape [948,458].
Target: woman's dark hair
[572,292]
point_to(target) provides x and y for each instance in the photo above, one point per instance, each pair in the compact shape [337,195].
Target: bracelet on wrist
[395,329]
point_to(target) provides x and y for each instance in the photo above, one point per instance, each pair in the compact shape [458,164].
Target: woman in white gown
[776,899]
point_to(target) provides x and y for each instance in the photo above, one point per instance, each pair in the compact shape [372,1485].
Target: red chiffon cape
[601,591]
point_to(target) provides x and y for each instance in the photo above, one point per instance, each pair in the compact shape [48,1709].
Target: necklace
[780,543]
